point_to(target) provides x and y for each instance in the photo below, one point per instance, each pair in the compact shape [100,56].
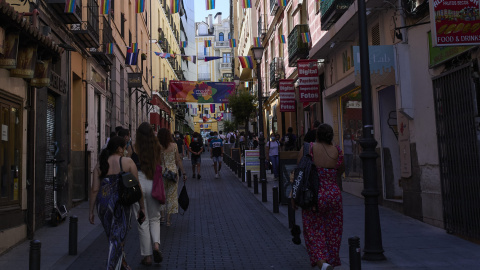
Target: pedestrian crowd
[151,156]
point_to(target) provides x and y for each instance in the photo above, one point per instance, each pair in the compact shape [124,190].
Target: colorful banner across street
[308,82]
[455,22]
[286,92]
[200,92]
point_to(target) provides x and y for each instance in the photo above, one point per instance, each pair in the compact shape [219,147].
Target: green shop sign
[438,55]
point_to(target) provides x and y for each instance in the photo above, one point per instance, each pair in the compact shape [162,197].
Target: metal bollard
[35,255]
[354,253]
[249,178]
[243,172]
[255,184]
[73,235]
[275,199]
[239,170]
[264,190]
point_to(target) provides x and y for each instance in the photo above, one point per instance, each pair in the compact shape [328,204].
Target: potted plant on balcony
[144,56]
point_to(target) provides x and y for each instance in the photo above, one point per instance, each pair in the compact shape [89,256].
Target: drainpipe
[31,162]
[34,15]
[402,22]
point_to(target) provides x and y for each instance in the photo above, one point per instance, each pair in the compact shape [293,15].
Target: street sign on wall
[134,80]
[286,91]
[455,22]
[382,65]
[308,81]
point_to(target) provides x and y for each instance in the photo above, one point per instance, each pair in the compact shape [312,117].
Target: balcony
[262,30]
[274,7]
[297,49]
[277,71]
[68,18]
[331,11]
[225,65]
[204,76]
[87,32]
[222,44]
[101,54]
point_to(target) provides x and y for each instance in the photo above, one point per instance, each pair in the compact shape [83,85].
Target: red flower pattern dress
[323,228]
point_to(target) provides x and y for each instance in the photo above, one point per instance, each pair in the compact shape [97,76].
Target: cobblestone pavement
[225,227]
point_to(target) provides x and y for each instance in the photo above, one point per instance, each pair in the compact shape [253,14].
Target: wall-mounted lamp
[332,45]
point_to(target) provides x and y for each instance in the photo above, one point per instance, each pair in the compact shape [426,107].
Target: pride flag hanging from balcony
[306,37]
[246,3]
[208,43]
[212,108]
[105,5]
[174,6]
[110,48]
[70,6]
[139,6]
[246,61]
[282,39]
[210,4]
[282,3]
[132,54]
[257,42]
[183,44]
[233,43]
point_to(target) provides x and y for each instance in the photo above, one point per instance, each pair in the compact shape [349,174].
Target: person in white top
[272,148]
[222,136]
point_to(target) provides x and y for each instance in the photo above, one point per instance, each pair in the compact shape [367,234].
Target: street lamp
[373,250]
[257,55]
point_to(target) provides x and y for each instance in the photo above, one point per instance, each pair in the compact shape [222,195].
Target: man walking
[179,141]
[216,144]
[196,148]
[289,140]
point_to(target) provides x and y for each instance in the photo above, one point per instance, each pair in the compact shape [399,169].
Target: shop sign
[8,59]
[308,81]
[57,84]
[134,80]
[382,65]
[438,55]
[455,22]
[252,161]
[404,144]
[286,92]
[2,40]
[27,58]
[41,78]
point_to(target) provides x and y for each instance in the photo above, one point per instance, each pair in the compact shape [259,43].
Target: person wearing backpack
[272,148]
[231,138]
[323,224]
[289,140]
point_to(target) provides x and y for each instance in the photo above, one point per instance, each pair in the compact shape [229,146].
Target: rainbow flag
[133,48]
[246,3]
[210,4]
[70,6]
[183,44]
[306,37]
[139,6]
[257,42]
[282,3]
[208,43]
[174,6]
[246,61]
[212,108]
[282,39]
[105,6]
[110,48]
[233,43]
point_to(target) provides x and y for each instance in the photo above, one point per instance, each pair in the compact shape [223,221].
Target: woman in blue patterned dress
[114,216]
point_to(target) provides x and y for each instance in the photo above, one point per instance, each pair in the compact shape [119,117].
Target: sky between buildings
[220,6]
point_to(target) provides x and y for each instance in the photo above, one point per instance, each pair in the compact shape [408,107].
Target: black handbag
[129,191]
[183,200]
[305,184]
[169,175]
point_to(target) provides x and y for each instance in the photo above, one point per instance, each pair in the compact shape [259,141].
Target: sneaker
[193,176]
[199,176]
[216,175]
[326,266]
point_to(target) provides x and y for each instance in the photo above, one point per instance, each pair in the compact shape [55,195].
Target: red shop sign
[286,91]
[308,81]
[456,22]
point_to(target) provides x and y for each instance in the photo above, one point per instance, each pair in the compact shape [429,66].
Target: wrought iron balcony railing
[262,29]
[277,71]
[67,17]
[88,31]
[297,49]
[331,11]
[204,76]
[273,7]
[222,44]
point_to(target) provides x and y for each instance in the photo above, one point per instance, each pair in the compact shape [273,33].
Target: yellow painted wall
[78,118]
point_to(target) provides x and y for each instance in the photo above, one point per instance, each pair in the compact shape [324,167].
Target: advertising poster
[286,92]
[456,22]
[308,81]
[382,65]
[41,78]
[200,92]
[252,160]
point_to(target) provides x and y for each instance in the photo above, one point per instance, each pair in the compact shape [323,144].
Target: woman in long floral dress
[323,227]
[114,216]
[171,160]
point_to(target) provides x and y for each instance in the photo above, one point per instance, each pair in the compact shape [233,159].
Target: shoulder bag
[305,184]
[129,191]
[158,190]
[167,173]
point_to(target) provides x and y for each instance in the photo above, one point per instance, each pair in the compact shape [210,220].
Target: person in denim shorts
[196,148]
[216,144]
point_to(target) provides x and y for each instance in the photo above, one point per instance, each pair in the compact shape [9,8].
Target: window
[122,25]
[112,8]
[220,36]
[10,153]
[227,58]
[229,36]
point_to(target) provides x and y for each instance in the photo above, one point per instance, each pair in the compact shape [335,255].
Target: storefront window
[351,106]
[10,151]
